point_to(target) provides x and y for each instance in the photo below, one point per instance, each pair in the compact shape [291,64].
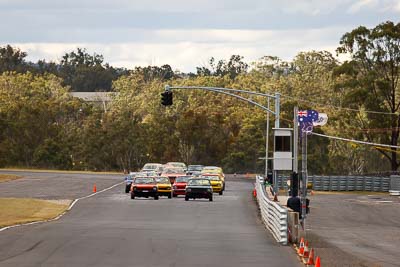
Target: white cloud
[184,33]
[186,49]
[391,5]
[146,6]
[357,6]
[310,7]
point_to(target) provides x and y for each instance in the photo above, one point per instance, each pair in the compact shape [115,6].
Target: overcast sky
[184,34]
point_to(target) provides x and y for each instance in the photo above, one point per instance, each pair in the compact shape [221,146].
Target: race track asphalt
[350,229]
[55,185]
[110,229]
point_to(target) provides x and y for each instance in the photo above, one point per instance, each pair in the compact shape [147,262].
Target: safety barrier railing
[350,183]
[345,183]
[273,215]
[394,185]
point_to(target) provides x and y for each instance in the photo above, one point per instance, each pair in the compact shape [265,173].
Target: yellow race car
[164,186]
[215,170]
[216,182]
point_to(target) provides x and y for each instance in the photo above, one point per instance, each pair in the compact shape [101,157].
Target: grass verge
[8,177]
[24,210]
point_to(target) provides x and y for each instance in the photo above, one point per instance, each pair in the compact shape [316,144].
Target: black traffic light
[166,98]
[295,204]
[169,98]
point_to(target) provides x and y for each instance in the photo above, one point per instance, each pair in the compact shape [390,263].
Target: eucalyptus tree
[85,72]
[32,111]
[12,59]
[371,80]
[233,67]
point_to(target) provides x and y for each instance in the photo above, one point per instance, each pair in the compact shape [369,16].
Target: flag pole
[304,178]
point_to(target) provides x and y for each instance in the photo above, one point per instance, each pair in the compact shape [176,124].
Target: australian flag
[306,119]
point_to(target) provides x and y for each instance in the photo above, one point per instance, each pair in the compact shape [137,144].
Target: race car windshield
[195,168]
[144,180]
[150,167]
[199,182]
[163,180]
[173,170]
[209,171]
[212,178]
[150,174]
[182,179]
[176,164]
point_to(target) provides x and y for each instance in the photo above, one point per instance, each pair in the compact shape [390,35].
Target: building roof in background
[95,96]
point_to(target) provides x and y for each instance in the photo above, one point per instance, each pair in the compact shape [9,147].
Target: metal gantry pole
[267,142]
[277,109]
[277,115]
[295,139]
[226,92]
[275,182]
[304,178]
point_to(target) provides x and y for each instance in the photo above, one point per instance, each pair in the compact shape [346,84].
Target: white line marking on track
[68,209]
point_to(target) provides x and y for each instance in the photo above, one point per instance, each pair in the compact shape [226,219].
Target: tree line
[42,125]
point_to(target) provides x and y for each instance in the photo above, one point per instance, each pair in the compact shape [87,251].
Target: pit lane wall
[274,216]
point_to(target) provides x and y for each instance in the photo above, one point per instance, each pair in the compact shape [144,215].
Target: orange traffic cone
[300,251]
[306,252]
[317,261]
[310,261]
[254,192]
[94,188]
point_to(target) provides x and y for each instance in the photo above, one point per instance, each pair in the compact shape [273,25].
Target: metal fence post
[364,181]
[355,183]
[373,184]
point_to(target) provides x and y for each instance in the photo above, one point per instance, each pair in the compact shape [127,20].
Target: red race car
[144,187]
[173,172]
[179,186]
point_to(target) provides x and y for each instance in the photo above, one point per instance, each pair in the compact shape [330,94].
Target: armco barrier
[394,185]
[350,183]
[273,215]
[395,182]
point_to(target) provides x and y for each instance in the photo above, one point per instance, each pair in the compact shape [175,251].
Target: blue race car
[128,183]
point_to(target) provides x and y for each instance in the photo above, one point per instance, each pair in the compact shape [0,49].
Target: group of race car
[175,179]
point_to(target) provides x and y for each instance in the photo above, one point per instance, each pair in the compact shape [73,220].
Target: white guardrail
[274,216]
